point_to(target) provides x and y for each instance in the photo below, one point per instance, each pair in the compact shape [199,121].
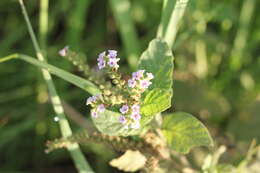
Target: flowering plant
[122,107]
[131,104]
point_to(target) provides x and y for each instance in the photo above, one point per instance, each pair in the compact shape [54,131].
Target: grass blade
[76,22]
[43,23]
[69,77]
[171,17]
[77,156]
[121,10]
[242,34]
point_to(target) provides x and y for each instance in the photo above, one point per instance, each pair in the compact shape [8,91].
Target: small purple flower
[131,83]
[112,53]
[135,116]
[122,119]
[138,75]
[94,114]
[101,56]
[64,51]
[135,108]
[92,99]
[101,108]
[124,109]
[149,76]
[145,84]
[112,62]
[101,64]
[135,125]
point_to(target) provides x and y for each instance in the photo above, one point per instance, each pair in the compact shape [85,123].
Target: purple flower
[131,83]
[149,76]
[138,75]
[92,99]
[112,62]
[135,116]
[101,56]
[135,125]
[101,108]
[101,64]
[122,119]
[112,53]
[64,51]
[145,84]
[135,108]
[124,109]
[94,114]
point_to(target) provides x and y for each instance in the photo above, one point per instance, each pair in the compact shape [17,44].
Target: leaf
[155,101]
[183,132]
[69,77]
[157,59]
[130,161]
[108,123]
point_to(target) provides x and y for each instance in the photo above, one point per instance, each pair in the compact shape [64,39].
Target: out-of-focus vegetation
[216,78]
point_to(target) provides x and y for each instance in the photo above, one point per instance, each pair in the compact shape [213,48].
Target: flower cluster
[130,116]
[139,81]
[110,59]
[96,102]
[130,91]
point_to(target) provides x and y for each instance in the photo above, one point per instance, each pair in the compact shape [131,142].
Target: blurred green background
[217,69]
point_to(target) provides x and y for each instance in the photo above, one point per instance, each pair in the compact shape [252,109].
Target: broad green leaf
[130,161]
[183,132]
[155,101]
[108,123]
[69,77]
[157,59]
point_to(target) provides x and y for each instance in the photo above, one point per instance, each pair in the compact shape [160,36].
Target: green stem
[170,21]
[121,10]
[242,34]
[77,156]
[9,57]
[43,23]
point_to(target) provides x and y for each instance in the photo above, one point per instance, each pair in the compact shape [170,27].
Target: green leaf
[130,161]
[183,132]
[155,101]
[108,123]
[69,77]
[157,59]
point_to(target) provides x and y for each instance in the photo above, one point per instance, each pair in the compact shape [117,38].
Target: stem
[242,34]
[170,20]
[77,156]
[121,10]
[43,23]
[9,57]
